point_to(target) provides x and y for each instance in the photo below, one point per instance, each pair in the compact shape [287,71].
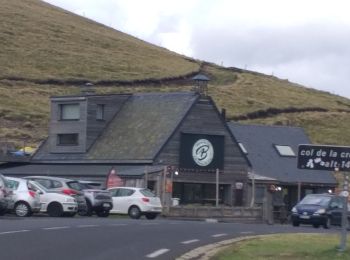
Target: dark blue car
[318,210]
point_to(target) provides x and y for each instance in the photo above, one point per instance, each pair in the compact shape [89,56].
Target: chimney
[223,114]
[87,89]
[201,84]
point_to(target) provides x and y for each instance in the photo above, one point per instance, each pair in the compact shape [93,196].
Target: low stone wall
[239,214]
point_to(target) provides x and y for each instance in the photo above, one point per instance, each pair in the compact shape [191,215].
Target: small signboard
[324,157]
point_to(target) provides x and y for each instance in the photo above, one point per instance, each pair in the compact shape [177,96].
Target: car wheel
[102,213]
[295,224]
[151,215]
[316,225]
[55,210]
[22,209]
[327,223]
[88,211]
[134,212]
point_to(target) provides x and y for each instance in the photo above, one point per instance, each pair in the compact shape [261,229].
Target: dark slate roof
[259,141]
[77,170]
[143,126]
[136,134]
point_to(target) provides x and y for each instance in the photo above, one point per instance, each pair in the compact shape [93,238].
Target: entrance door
[192,193]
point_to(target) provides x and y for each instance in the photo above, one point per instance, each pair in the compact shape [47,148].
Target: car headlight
[294,210]
[320,211]
[71,200]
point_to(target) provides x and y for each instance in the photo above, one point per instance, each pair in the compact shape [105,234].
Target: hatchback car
[318,210]
[24,200]
[65,186]
[54,203]
[135,202]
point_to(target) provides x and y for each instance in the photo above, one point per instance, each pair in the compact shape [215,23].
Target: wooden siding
[204,119]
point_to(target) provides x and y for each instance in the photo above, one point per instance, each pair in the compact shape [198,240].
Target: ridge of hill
[49,51]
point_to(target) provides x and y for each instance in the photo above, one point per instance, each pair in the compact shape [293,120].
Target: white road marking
[247,232]
[87,226]
[55,228]
[189,241]
[117,225]
[149,224]
[219,235]
[157,253]
[12,232]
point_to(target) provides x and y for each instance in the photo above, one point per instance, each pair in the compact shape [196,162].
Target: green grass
[39,41]
[290,246]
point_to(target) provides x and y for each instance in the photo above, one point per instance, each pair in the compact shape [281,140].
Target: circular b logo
[203,152]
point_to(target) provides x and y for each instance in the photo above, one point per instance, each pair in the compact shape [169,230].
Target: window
[243,148]
[69,112]
[100,112]
[284,150]
[67,139]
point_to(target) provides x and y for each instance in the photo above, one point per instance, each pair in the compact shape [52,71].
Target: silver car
[65,186]
[24,200]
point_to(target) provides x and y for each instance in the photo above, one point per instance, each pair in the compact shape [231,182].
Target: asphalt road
[44,238]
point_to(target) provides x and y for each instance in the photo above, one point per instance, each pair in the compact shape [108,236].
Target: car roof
[122,187]
[51,178]
[16,179]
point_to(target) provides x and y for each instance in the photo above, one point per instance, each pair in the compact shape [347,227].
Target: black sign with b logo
[198,151]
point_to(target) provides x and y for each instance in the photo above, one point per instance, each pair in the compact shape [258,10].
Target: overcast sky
[304,41]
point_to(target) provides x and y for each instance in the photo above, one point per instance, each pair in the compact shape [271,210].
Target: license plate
[106,205]
[305,217]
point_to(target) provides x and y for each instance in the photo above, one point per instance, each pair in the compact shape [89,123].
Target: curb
[208,251]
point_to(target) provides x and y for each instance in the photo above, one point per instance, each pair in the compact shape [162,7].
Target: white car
[54,203]
[135,202]
[23,199]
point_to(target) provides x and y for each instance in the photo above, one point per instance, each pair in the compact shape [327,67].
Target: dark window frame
[100,112]
[61,107]
[60,143]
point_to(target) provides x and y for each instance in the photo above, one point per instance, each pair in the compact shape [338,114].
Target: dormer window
[100,112]
[69,112]
[67,139]
[285,150]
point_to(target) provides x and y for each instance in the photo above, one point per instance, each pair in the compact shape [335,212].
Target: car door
[121,200]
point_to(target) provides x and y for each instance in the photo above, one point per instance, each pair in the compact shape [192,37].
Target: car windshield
[315,200]
[75,185]
[147,193]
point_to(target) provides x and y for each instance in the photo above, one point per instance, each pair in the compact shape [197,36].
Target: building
[145,138]
[272,152]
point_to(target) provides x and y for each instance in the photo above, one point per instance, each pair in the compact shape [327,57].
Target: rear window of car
[147,193]
[13,185]
[75,185]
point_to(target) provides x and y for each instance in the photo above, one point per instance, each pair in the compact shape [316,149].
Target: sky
[304,41]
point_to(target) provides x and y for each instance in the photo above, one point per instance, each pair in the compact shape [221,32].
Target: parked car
[318,210]
[97,200]
[23,199]
[65,186]
[135,202]
[54,203]
[4,195]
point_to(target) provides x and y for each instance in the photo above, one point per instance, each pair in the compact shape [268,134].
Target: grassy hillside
[48,51]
